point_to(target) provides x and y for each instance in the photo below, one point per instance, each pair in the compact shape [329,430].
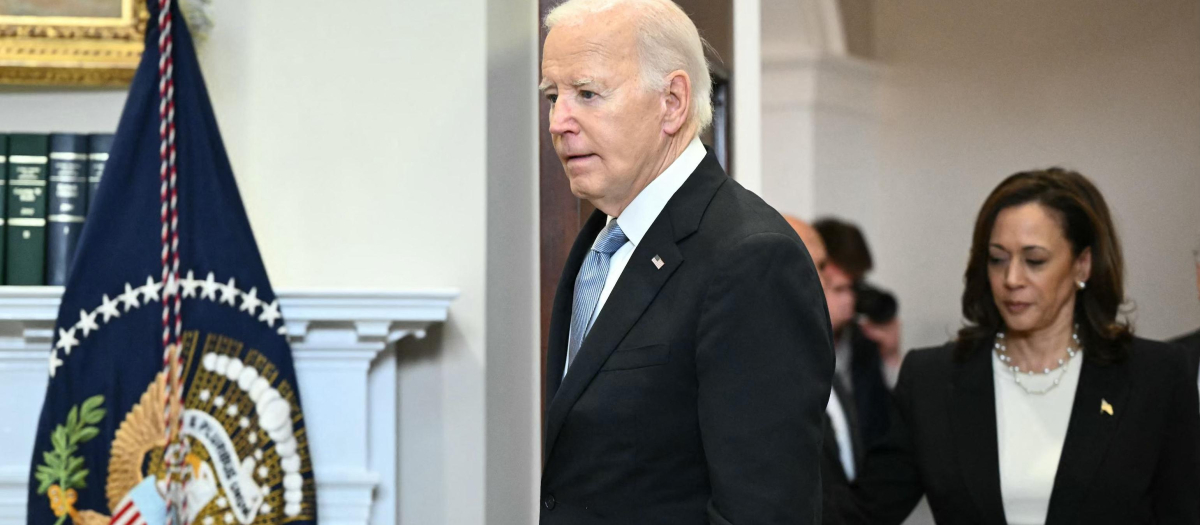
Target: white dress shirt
[841,432]
[635,221]
[1030,431]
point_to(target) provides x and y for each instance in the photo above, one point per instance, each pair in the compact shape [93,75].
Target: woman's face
[1031,270]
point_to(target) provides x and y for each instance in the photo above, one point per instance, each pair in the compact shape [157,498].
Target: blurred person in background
[842,450]
[866,330]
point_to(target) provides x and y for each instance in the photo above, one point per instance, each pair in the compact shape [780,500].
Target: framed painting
[71,42]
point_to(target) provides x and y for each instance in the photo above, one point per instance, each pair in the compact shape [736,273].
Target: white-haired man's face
[607,129]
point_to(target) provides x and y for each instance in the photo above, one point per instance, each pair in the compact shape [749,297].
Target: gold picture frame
[71,50]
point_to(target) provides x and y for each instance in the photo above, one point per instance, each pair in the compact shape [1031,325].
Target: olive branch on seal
[63,471]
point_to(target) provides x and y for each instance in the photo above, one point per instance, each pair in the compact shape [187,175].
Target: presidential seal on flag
[243,457]
[172,396]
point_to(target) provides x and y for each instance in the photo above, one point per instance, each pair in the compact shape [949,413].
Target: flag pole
[175,452]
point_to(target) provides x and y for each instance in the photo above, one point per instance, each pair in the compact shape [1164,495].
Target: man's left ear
[1083,265]
[677,102]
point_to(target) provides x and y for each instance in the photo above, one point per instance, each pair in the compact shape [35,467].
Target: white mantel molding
[343,345]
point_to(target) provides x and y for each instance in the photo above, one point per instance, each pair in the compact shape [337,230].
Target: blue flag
[101,453]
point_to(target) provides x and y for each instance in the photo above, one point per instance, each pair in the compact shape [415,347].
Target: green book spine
[3,201]
[28,162]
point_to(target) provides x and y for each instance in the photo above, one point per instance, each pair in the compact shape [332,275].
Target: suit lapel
[1088,435]
[973,419]
[637,287]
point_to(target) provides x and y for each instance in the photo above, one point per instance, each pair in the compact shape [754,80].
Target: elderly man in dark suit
[690,354]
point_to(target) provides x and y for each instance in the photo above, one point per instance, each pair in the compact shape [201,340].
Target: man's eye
[552,97]
[587,95]
[1035,262]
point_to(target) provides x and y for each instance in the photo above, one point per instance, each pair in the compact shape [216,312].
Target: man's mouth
[576,159]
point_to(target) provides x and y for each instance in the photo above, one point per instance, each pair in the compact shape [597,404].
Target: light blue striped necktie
[590,283]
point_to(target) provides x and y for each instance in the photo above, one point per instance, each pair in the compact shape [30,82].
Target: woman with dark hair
[1046,409]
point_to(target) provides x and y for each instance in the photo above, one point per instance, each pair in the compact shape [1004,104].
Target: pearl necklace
[1002,354]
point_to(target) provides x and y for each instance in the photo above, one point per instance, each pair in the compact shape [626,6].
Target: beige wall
[858,19]
[976,90]
[397,150]
[359,143]
[513,307]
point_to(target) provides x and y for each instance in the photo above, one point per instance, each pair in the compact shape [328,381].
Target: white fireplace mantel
[344,348]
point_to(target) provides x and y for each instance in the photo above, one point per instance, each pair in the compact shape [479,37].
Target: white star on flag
[150,289]
[229,292]
[55,362]
[270,313]
[130,298]
[171,288]
[87,322]
[250,300]
[210,286]
[66,340]
[109,308]
[189,285]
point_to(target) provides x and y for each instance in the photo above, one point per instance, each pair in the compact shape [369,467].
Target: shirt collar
[645,208]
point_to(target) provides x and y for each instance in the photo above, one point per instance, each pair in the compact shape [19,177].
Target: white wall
[513,307]
[47,110]
[362,139]
[358,136]
[819,111]
[974,91]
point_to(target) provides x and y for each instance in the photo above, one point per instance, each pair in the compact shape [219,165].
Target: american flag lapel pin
[658,262]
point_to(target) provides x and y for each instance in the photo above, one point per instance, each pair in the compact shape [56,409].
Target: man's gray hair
[667,41]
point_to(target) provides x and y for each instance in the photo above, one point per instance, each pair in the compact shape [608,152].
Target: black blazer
[698,395]
[1139,465]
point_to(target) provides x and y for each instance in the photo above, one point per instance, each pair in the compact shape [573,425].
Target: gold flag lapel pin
[1106,408]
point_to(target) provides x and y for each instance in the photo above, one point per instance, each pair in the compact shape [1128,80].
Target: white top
[1030,430]
[640,214]
[841,431]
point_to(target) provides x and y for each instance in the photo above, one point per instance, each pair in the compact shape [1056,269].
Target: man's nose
[562,119]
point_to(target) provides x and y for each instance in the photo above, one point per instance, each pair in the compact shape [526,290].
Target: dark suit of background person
[942,444]
[849,257]
[698,395]
[842,451]
[834,478]
[871,397]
